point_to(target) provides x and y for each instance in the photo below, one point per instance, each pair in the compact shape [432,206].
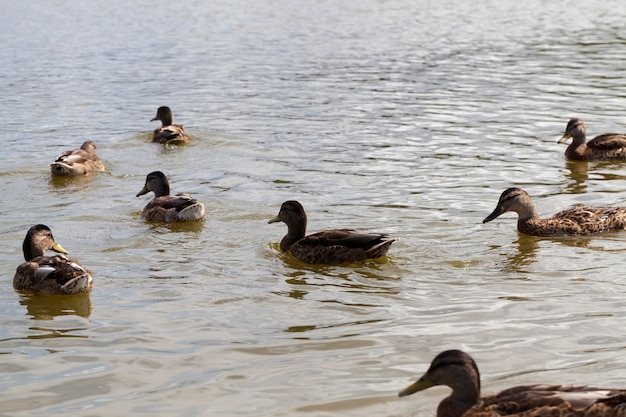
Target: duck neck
[527,213]
[527,222]
[295,232]
[161,189]
[465,394]
[167,120]
[458,402]
[576,149]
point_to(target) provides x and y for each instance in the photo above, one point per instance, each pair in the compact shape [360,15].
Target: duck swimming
[168,208]
[57,274]
[78,162]
[578,220]
[329,246]
[457,370]
[610,146]
[168,133]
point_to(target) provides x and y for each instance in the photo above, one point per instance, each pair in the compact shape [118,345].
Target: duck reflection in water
[577,177]
[40,306]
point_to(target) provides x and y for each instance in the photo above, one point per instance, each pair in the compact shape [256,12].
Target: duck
[578,220]
[80,161]
[58,274]
[457,370]
[337,246]
[609,146]
[168,133]
[168,208]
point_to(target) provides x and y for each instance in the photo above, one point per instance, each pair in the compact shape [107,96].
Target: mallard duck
[578,220]
[57,274]
[604,147]
[168,133]
[457,370]
[78,162]
[168,208]
[330,246]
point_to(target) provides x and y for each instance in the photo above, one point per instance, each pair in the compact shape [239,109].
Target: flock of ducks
[60,274]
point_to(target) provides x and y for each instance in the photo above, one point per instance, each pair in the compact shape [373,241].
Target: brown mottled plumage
[330,246]
[457,370]
[604,147]
[579,220]
[168,133]
[78,162]
[57,274]
[168,208]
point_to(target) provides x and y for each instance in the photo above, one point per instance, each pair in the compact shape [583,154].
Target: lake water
[405,117]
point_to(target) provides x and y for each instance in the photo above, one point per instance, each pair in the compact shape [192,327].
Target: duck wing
[172,134]
[340,246]
[53,274]
[170,208]
[552,400]
[591,219]
[78,156]
[608,142]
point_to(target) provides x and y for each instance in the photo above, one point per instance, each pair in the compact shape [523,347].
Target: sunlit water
[406,117]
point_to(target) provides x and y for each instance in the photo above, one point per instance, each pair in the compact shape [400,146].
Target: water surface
[406,117]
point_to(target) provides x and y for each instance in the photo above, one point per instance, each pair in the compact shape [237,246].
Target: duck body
[609,146]
[81,161]
[169,133]
[57,274]
[336,246]
[457,370]
[169,208]
[579,220]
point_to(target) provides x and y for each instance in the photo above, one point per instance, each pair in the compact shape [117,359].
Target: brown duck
[604,147]
[168,133]
[57,274]
[330,246]
[78,162]
[578,220]
[457,370]
[168,208]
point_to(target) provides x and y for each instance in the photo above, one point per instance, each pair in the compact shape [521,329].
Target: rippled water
[407,117]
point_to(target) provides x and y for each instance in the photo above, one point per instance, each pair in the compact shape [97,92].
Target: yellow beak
[420,385]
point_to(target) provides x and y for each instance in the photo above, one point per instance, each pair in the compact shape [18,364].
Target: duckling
[78,162]
[168,208]
[604,147]
[57,274]
[168,133]
[330,246]
[578,220]
[457,370]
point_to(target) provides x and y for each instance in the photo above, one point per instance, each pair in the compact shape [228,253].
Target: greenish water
[403,117]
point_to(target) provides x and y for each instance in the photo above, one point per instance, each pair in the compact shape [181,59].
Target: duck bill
[154,118]
[143,191]
[58,248]
[423,383]
[497,212]
[274,220]
[564,139]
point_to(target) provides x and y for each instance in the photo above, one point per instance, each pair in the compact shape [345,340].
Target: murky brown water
[404,117]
